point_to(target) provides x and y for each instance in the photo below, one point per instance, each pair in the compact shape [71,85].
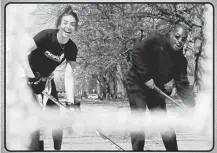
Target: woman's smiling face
[67,26]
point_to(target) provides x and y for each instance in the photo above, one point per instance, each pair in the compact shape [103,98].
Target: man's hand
[150,83]
[169,86]
[173,92]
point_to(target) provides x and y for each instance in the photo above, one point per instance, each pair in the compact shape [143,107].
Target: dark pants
[139,98]
[57,134]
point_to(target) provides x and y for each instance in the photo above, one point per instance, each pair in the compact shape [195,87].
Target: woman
[47,50]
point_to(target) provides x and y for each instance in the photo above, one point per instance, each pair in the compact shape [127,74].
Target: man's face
[67,26]
[178,38]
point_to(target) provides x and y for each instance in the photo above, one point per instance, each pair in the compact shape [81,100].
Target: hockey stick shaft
[171,99]
[98,132]
[109,140]
[55,101]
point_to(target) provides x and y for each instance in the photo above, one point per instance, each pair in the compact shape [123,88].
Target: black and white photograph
[109,76]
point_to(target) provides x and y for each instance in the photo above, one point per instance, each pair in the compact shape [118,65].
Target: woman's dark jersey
[50,53]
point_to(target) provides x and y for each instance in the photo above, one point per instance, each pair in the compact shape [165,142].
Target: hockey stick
[109,140]
[98,132]
[55,101]
[165,95]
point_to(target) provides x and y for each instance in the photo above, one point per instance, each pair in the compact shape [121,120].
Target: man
[156,61]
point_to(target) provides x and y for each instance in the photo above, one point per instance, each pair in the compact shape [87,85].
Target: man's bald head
[181,28]
[178,37]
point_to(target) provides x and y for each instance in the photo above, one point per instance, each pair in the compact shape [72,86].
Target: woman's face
[67,26]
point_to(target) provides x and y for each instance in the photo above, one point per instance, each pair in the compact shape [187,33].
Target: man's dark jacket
[153,58]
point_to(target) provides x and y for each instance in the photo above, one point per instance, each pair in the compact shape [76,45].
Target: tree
[109,31]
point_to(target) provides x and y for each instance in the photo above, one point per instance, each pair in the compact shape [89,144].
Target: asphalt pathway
[90,141]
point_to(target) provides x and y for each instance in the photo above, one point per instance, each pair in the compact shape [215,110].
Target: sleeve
[140,66]
[41,39]
[71,53]
[141,59]
[183,86]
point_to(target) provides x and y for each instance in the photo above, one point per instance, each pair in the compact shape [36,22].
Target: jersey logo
[54,57]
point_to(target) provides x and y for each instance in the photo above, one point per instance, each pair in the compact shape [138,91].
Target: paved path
[92,142]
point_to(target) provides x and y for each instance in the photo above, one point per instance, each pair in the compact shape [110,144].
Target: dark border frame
[108,3]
